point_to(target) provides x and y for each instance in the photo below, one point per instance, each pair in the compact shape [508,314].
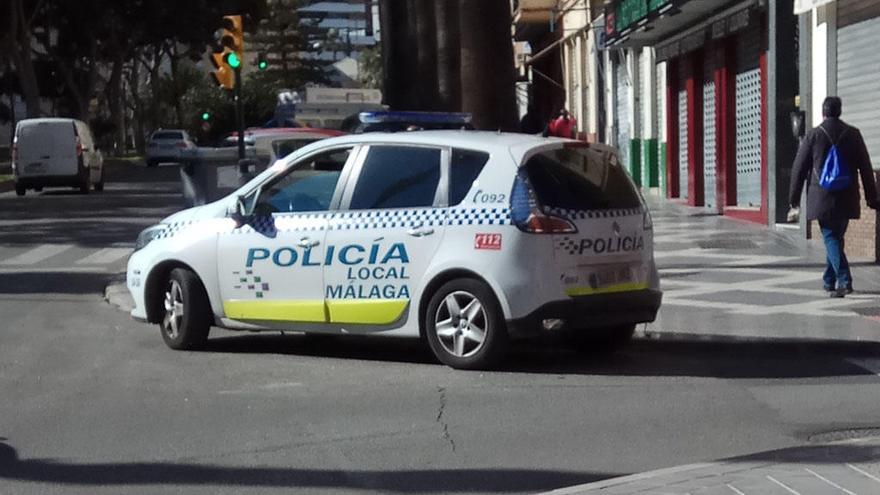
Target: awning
[802,6]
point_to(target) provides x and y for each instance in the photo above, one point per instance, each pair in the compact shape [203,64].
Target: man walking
[833,209]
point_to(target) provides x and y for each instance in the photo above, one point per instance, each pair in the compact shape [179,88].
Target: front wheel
[20,190]
[187,318]
[464,325]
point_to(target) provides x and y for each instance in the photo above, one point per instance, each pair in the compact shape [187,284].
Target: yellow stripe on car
[306,311]
[589,291]
[366,311]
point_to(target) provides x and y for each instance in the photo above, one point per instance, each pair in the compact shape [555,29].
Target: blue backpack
[835,172]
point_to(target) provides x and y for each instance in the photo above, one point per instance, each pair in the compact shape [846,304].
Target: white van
[55,152]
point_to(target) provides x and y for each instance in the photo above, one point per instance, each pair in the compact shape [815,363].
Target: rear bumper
[31,181]
[595,311]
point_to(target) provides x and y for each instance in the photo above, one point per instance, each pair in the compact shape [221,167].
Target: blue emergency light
[415,118]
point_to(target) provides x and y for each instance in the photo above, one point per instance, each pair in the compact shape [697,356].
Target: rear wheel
[152,163]
[464,325]
[187,319]
[84,183]
[20,190]
[602,340]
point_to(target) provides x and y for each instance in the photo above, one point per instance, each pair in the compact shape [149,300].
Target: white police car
[465,238]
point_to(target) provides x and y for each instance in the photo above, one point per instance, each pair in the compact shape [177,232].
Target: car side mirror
[239,212]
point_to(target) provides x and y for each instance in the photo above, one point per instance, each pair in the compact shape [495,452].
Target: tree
[22,16]
[448,54]
[290,42]
[488,82]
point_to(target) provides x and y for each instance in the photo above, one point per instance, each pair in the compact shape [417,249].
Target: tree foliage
[108,60]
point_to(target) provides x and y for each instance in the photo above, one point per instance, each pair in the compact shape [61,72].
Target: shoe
[837,293]
[828,288]
[849,289]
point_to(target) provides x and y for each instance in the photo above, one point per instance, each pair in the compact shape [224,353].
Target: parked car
[279,142]
[165,145]
[465,238]
[55,152]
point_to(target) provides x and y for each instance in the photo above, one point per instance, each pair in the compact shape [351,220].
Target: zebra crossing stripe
[104,256]
[37,254]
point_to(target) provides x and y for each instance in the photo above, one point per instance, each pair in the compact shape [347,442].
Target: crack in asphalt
[440,411]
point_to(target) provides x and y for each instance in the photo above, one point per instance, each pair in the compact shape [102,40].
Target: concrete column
[593,96]
[824,58]
[609,98]
[782,87]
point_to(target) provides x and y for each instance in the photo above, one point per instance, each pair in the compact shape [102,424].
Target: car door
[389,226]
[270,267]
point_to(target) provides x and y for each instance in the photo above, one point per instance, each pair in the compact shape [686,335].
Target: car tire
[187,313]
[152,163]
[599,341]
[84,184]
[38,189]
[20,190]
[464,325]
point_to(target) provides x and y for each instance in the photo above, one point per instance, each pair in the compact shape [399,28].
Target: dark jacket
[821,204]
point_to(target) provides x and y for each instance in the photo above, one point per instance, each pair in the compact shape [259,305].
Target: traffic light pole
[239,113]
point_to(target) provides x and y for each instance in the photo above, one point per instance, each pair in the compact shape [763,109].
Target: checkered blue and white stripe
[584,214]
[368,219]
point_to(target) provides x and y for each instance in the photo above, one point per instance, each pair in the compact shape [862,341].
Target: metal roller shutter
[748,119]
[857,81]
[622,85]
[709,65]
[682,129]
[659,107]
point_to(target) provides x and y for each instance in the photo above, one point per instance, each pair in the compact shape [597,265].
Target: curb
[116,294]
[760,457]
[596,485]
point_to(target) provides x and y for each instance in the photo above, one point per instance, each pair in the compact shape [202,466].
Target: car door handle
[420,231]
[307,243]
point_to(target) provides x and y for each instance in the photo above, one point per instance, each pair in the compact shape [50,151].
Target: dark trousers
[837,274]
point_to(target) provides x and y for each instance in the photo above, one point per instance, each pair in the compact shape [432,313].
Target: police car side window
[308,185]
[465,168]
[397,177]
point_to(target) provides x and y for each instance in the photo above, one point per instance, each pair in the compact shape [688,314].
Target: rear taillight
[14,153]
[79,147]
[526,212]
[182,145]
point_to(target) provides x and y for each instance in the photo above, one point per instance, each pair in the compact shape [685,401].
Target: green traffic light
[262,65]
[206,116]
[232,60]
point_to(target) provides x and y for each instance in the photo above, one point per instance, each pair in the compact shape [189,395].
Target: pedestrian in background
[833,209]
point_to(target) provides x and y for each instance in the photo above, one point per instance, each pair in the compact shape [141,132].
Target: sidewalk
[730,278]
[850,467]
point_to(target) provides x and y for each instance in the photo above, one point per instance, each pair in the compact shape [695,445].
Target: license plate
[35,168]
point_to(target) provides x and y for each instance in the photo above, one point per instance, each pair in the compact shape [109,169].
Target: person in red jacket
[563,126]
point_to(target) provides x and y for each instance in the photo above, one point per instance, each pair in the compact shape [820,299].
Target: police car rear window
[581,179]
[466,167]
[397,177]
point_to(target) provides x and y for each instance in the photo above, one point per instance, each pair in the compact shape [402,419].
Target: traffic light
[228,52]
[262,62]
[206,116]
[232,38]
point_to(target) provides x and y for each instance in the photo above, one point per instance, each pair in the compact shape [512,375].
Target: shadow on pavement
[721,358]
[817,454]
[54,282]
[402,481]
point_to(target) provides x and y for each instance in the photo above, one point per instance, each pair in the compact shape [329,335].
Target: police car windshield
[581,179]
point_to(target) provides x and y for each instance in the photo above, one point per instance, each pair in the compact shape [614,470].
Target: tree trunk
[117,110]
[175,84]
[20,41]
[398,55]
[425,89]
[448,54]
[487,71]
[137,105]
